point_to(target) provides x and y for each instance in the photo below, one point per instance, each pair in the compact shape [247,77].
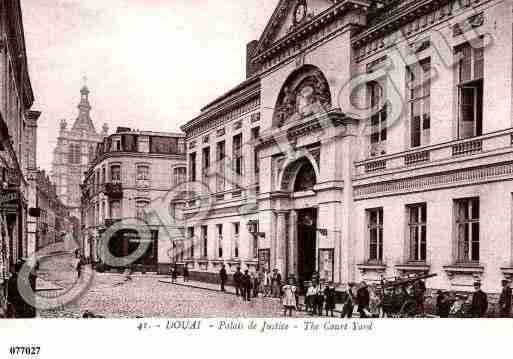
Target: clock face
[300,13]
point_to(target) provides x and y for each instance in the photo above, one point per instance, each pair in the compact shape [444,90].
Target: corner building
[376,141]
[131,175]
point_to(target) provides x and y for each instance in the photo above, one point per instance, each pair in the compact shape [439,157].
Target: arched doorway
[305,180]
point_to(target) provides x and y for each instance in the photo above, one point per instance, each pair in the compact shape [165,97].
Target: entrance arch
[299,175]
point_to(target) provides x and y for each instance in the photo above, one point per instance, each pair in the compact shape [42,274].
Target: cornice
[339,8]
[430,182]
[405,12]
[234,101]
[305,127]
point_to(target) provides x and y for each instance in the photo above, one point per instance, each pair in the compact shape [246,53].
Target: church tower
[75,148]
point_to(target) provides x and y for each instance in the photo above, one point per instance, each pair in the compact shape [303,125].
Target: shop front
[127,242]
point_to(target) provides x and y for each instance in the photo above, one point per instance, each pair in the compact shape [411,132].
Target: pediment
[288,16]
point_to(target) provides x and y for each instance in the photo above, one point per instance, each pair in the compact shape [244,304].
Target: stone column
[281,235]
[292,250]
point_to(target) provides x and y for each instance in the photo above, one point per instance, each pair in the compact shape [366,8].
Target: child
[329,295]
[289,297]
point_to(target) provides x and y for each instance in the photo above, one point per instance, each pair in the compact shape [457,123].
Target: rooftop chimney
[251,68]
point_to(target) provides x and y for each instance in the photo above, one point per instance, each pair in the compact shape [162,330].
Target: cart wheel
[408,310]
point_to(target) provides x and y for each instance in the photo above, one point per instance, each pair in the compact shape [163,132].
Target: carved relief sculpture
[304,94]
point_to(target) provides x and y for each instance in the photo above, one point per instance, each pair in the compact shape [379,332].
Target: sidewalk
[229,289]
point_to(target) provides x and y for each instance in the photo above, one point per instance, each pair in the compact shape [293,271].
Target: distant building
[128,184]
[75,149]
[53,220]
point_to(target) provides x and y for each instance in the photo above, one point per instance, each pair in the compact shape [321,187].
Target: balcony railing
[496,141]
[467,148]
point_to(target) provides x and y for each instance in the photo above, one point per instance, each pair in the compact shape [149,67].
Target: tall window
[236,231]
[141,209]
[220,241]
[419,97]
[375,230]
[204,241]
[143,172]
[74,154]
[103,174]
[179,175]
[91,153]
[192,167]
[470,89]
[467,230]
[378,119]
[206,163]
[221,154]
[237,155]
[115,173]
[417,231]
[115,209]
[255,134]
[117,145]
[191,241]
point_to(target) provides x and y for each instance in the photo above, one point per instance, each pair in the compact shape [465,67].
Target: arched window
[305,178]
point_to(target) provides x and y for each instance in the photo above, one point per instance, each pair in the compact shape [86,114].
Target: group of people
[321,299]
[458,306]
[175,273]
[250,285]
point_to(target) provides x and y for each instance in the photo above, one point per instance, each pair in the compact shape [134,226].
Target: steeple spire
[83,121]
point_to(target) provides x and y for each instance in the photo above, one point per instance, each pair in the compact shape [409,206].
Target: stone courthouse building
[371,138]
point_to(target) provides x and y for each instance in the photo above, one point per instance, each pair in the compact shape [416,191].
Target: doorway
[306,243]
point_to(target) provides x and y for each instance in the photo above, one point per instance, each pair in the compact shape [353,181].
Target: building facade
[371,139]
[16,99]
[75,149]
[53,220]
[126,197]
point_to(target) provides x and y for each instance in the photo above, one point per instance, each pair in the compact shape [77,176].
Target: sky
[149,64]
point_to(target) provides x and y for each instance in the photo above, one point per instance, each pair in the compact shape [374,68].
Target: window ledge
[217,261]
[233,261]
[413,267]
[471,269]
[188,260]
[372,267]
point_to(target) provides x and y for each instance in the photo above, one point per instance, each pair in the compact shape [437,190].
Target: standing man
[237,277]
[276,283]
[479,302]
[419,292]
[80,262]
[347,310]
[246,286]
[505,300]
[363,300]
[185,273]
[223,277]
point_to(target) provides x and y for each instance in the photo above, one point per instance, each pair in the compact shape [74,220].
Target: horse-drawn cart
[402,297]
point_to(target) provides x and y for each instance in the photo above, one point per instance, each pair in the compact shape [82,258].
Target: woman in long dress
[289,297]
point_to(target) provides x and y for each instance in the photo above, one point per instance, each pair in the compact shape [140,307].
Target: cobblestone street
[120,296]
